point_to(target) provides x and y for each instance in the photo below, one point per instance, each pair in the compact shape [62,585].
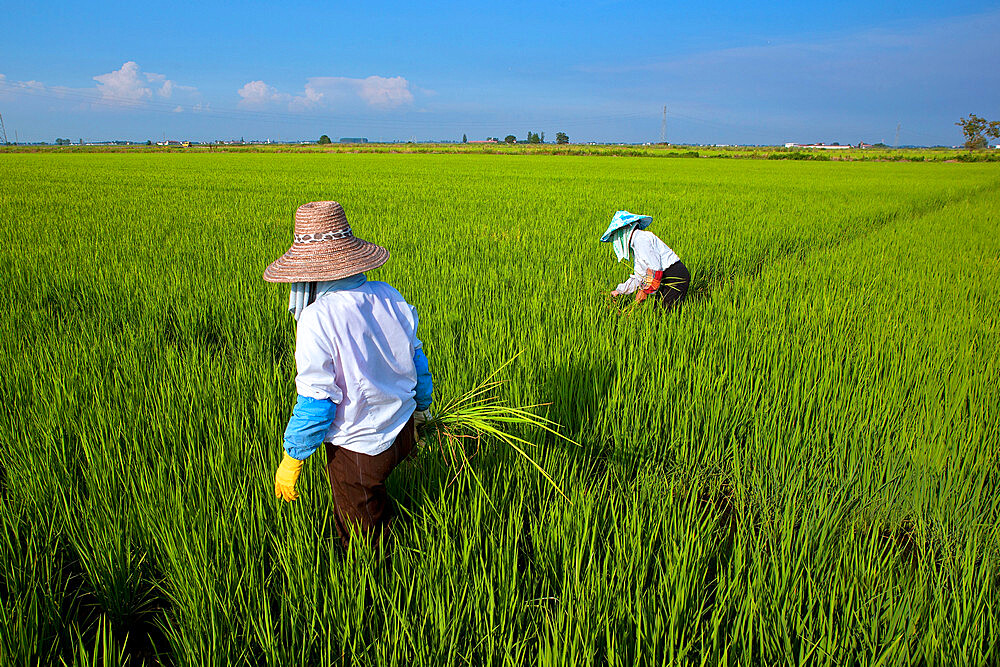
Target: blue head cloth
[625,219]
[620,231]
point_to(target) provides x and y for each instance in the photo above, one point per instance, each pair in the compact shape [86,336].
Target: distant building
[484,141]
[354,140]
[821,146]
[168,142]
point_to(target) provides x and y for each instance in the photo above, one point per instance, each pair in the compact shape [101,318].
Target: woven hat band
[327,236]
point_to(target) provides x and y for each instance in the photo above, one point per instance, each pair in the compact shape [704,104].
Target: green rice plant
[797,467]
[480,413]
[102,651]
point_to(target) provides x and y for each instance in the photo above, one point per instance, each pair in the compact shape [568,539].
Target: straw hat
[324,248]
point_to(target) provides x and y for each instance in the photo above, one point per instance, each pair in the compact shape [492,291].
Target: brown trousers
[673,284]
[360,500]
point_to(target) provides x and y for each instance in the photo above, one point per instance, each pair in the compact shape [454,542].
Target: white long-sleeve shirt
[355,347]
[651,255]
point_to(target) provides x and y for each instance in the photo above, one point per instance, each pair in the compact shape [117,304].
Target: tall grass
[797,466]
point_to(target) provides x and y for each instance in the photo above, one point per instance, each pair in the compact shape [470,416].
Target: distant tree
[510,139]
[543,138]
[562,138]
[465,139]
[533,138]
[324,140]
[976,131]
[148,142]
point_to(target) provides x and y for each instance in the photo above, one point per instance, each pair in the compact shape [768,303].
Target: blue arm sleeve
[425,385]
[311,419]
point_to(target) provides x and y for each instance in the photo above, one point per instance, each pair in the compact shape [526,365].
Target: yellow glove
[285,478]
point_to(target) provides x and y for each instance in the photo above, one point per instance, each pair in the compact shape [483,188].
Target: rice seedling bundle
[799,466]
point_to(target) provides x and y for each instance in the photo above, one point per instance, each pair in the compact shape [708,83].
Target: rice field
[799,466]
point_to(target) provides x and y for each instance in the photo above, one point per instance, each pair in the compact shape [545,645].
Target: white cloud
[166,86]
[332,92]
[11,88]
[258,94]
[309,99]
[130,86]
[123,86]
[380,92]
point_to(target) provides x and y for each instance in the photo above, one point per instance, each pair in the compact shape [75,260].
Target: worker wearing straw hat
[362,380]
[657,270]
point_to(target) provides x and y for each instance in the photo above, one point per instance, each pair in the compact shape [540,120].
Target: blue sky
[733,72]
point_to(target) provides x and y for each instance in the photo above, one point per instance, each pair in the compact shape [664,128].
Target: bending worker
[363,379]
[657,270]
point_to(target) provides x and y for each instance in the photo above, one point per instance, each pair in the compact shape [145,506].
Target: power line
[154,106]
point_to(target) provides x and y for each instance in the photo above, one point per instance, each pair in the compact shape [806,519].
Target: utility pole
[663,126]
[3,130]
[895,144]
